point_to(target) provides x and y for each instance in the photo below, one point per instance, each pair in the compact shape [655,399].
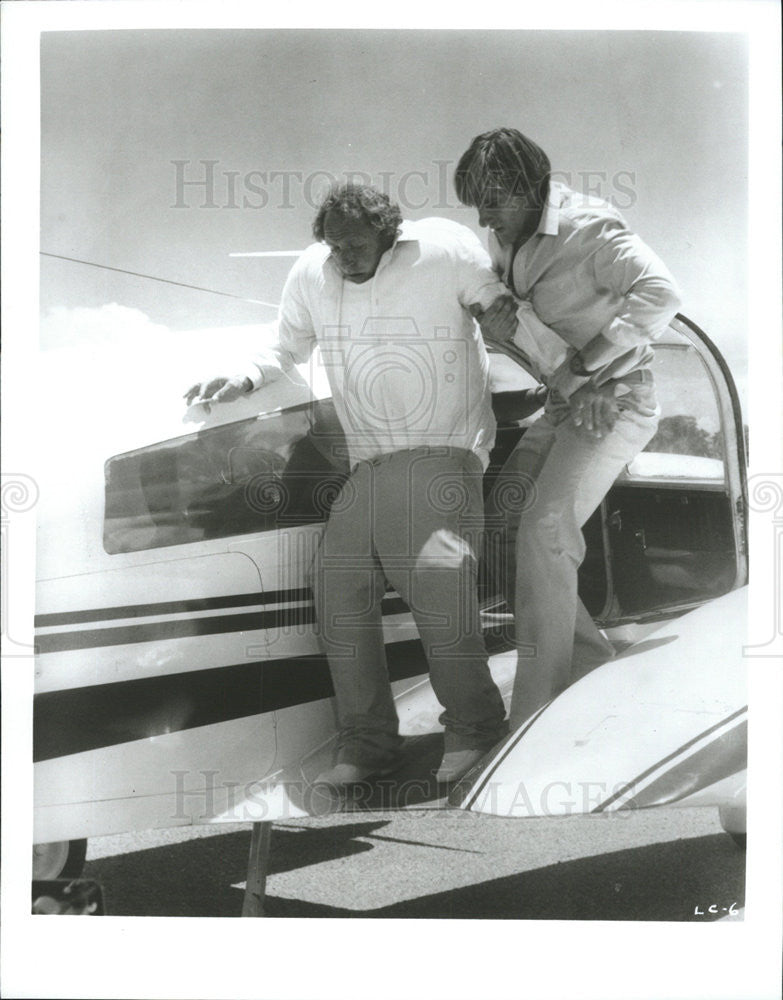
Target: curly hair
[363,203]
[505,160]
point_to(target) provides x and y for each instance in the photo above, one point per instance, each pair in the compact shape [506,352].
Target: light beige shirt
[596,284]
[405,360]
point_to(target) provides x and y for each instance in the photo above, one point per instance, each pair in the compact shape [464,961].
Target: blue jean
[413,518]
[550,485]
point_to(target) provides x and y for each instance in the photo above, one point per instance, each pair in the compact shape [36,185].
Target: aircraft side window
[671,517]
[270,472]
[688,444]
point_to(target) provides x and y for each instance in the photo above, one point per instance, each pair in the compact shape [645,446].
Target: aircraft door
[673,525]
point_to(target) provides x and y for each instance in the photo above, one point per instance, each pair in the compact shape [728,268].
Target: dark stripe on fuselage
[173,607]
[124,635]
[102,715]
[723,757]
[669,757]
[465,793]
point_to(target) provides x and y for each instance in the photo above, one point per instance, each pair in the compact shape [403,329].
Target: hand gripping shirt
[596,284]
[405,360]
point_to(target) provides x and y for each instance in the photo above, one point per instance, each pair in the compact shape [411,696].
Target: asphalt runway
[664,864]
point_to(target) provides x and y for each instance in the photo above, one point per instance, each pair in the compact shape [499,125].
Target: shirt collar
[550,217]
[407,234]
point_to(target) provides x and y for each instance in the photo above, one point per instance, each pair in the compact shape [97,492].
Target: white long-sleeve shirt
[405,361]
[595,283]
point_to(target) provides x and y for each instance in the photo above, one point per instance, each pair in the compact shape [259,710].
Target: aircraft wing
[664,722]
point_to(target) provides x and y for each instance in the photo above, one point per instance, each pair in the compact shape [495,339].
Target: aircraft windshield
[274,471]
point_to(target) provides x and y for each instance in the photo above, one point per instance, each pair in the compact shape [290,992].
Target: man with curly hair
[388,302]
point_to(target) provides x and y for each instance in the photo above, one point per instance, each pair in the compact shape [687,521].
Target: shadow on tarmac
[196,878]
[663,881]
[667,882]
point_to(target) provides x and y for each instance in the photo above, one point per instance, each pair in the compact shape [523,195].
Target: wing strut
[257,867]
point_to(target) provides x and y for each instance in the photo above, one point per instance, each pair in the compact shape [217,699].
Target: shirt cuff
[601,350]
[487,295]
[564,381]
[256,378]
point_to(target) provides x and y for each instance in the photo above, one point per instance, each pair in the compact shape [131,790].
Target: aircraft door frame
[715,508]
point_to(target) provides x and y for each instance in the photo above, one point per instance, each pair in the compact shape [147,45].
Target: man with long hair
[604,297]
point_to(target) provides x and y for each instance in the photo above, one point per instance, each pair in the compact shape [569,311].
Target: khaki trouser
[550,485]
[414,519]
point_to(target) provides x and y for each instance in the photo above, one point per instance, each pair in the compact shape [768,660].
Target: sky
[164,151]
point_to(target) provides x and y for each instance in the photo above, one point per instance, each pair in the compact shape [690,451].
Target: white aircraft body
[179,678]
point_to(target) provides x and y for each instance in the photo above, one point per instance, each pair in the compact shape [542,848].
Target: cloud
[110,367]
[89,327]
[120,338]
[116,378]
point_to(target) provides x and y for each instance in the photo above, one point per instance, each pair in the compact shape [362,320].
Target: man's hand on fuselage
[220,389]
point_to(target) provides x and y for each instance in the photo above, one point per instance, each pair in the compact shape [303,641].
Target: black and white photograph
[392,502]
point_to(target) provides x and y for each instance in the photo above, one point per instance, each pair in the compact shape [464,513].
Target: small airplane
[178,674]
